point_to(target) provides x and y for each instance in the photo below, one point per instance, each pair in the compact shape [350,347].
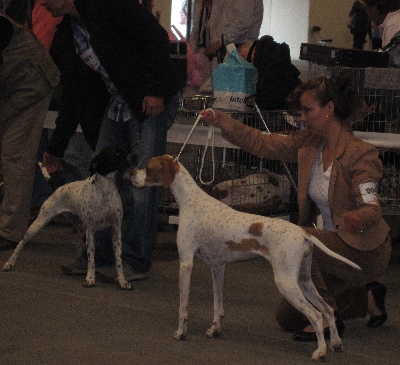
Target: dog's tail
[329,252]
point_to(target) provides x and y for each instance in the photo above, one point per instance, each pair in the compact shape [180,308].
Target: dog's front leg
[185,274]
[116,238]
[217,272]
[90,276]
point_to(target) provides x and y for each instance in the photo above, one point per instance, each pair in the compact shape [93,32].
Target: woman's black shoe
[378,291]
[312,336]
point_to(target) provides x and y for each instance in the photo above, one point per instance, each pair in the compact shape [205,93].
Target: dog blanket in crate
[262,193]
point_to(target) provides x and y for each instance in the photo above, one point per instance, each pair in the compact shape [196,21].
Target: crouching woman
[338,175]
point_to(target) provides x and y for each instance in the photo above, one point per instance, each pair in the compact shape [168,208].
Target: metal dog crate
[390,185]
[380,90]
[242,174]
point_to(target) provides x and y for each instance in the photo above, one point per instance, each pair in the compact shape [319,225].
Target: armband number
[369,192]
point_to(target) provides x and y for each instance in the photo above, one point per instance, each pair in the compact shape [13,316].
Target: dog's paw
[88,284]
[125,285]
[319,354]
[8,267]
[336,347]
[179,336]
[213,332]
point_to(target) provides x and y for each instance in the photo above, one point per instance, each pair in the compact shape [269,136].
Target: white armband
[369,192]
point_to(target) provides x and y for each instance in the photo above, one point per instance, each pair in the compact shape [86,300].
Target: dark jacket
[133,48]
[27,72]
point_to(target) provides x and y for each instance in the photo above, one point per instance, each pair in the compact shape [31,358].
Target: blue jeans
[139,228]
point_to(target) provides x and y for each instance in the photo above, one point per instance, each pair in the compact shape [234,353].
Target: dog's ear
[100,164]
[169,168]
[109,159]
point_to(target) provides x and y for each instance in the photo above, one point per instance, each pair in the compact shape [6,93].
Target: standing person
[217,23]
[32,14]
[338,174]
[28,77]
[122,71]
[386,15]
[359,24]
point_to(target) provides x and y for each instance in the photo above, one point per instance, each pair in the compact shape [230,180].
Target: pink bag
[198,68]
[198,65]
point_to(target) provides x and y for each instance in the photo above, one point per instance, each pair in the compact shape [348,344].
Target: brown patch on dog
[162,169]
[170,168]
[247,244]
[256,229]
[153,171]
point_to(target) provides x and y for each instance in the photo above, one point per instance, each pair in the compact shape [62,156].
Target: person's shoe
[378,291]
[109,275]
[6,244]
[304,336]
[78,267]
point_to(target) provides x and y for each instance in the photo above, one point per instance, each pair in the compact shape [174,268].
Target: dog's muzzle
[138,178]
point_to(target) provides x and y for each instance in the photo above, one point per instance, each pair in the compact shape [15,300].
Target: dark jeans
[139,226]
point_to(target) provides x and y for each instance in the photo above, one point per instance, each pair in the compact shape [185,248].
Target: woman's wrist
[224,122]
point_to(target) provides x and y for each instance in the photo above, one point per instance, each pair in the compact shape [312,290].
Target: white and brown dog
[96,201]
[218,234]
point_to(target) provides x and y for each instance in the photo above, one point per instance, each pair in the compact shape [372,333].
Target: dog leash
[251,102]
[210,137]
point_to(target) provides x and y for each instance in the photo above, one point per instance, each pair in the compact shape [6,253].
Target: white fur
[97,203]
[218,234]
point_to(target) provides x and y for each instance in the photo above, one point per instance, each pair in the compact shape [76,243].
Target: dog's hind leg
[46,213]
[185,274]
[312,295]
[80,238]
[288,286]
[217,272]
[116,239]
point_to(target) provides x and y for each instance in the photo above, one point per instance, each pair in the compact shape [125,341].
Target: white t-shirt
[318,190]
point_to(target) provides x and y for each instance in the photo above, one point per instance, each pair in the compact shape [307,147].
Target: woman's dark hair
[338,89]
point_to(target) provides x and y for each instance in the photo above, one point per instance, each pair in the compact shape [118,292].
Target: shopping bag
[232,81]
[198,68]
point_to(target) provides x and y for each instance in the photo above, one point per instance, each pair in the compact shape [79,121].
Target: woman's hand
[209,116]
[212,49]
[352,223]
[218,119]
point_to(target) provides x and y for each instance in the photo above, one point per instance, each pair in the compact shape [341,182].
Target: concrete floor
[50,319]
